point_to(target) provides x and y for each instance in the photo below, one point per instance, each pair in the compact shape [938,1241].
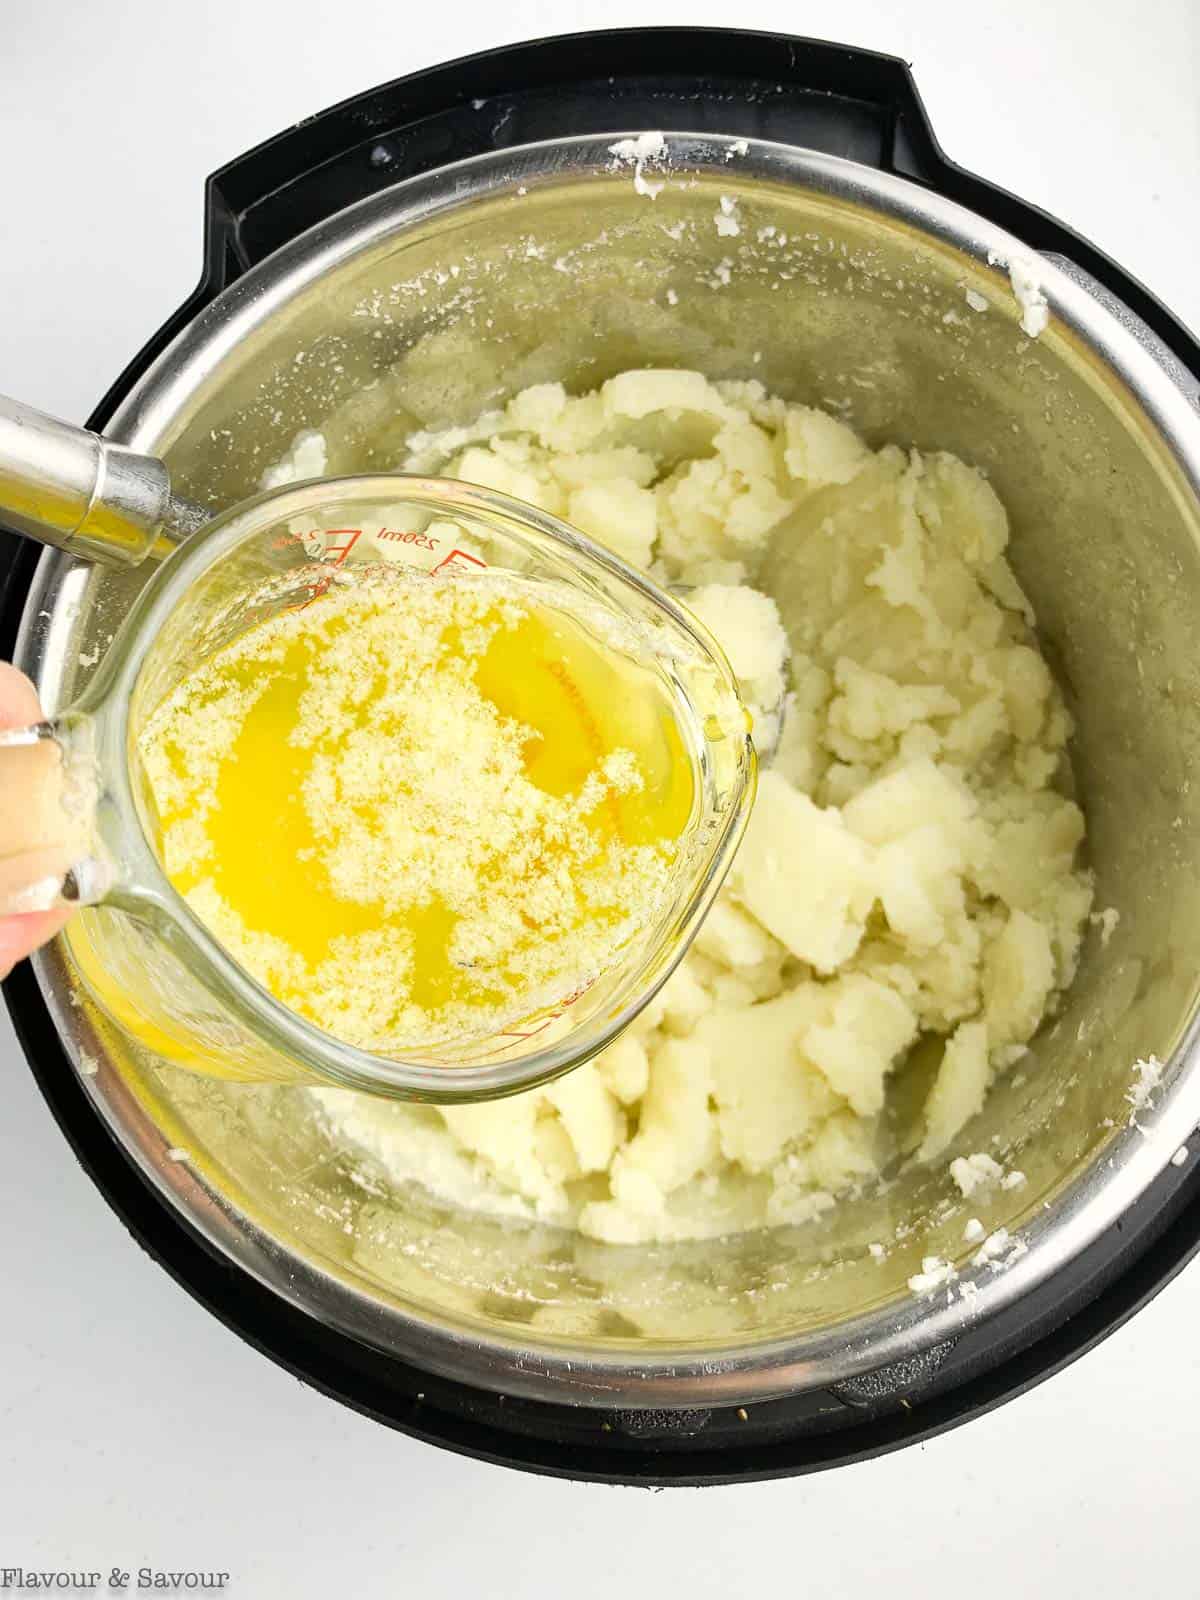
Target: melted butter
[578,701]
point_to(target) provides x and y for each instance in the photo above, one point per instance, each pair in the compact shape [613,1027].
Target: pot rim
[549,1368]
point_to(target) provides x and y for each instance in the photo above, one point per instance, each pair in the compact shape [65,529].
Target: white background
[134,1429]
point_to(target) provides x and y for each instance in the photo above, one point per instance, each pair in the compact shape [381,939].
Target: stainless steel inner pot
[442,296]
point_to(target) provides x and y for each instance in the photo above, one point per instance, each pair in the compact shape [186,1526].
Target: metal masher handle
[79,492]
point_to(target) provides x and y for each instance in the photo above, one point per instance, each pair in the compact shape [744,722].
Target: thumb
[19,706]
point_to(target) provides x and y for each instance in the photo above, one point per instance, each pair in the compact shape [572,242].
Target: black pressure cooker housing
[842,102]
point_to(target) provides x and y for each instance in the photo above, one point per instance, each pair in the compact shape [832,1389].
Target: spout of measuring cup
[50,855]
[74,490]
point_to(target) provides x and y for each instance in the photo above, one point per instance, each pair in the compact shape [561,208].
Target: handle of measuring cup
[74,490]
[49,857]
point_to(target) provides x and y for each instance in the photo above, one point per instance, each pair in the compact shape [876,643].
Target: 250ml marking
[333,555]
[337,553]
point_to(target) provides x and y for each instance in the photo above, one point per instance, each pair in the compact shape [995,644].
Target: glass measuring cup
[148,960]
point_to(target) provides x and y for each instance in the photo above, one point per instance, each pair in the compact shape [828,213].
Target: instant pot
[413,256]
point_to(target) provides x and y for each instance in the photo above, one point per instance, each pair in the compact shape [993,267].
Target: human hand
[19,706]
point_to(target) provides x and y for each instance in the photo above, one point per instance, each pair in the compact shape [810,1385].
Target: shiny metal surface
[76,491]
[845,288]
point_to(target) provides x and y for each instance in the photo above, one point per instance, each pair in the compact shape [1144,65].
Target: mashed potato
[909,875]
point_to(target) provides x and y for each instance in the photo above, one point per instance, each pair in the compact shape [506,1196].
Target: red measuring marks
[340,541]
[334,555]
[423,541]
[459,558]
[530,1033]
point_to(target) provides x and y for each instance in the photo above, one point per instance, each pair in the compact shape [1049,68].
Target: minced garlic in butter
[409,808]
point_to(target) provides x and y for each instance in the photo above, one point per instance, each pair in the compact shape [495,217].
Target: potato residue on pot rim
[907,905]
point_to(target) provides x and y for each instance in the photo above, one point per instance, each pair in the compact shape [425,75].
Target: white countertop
[134,1429]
